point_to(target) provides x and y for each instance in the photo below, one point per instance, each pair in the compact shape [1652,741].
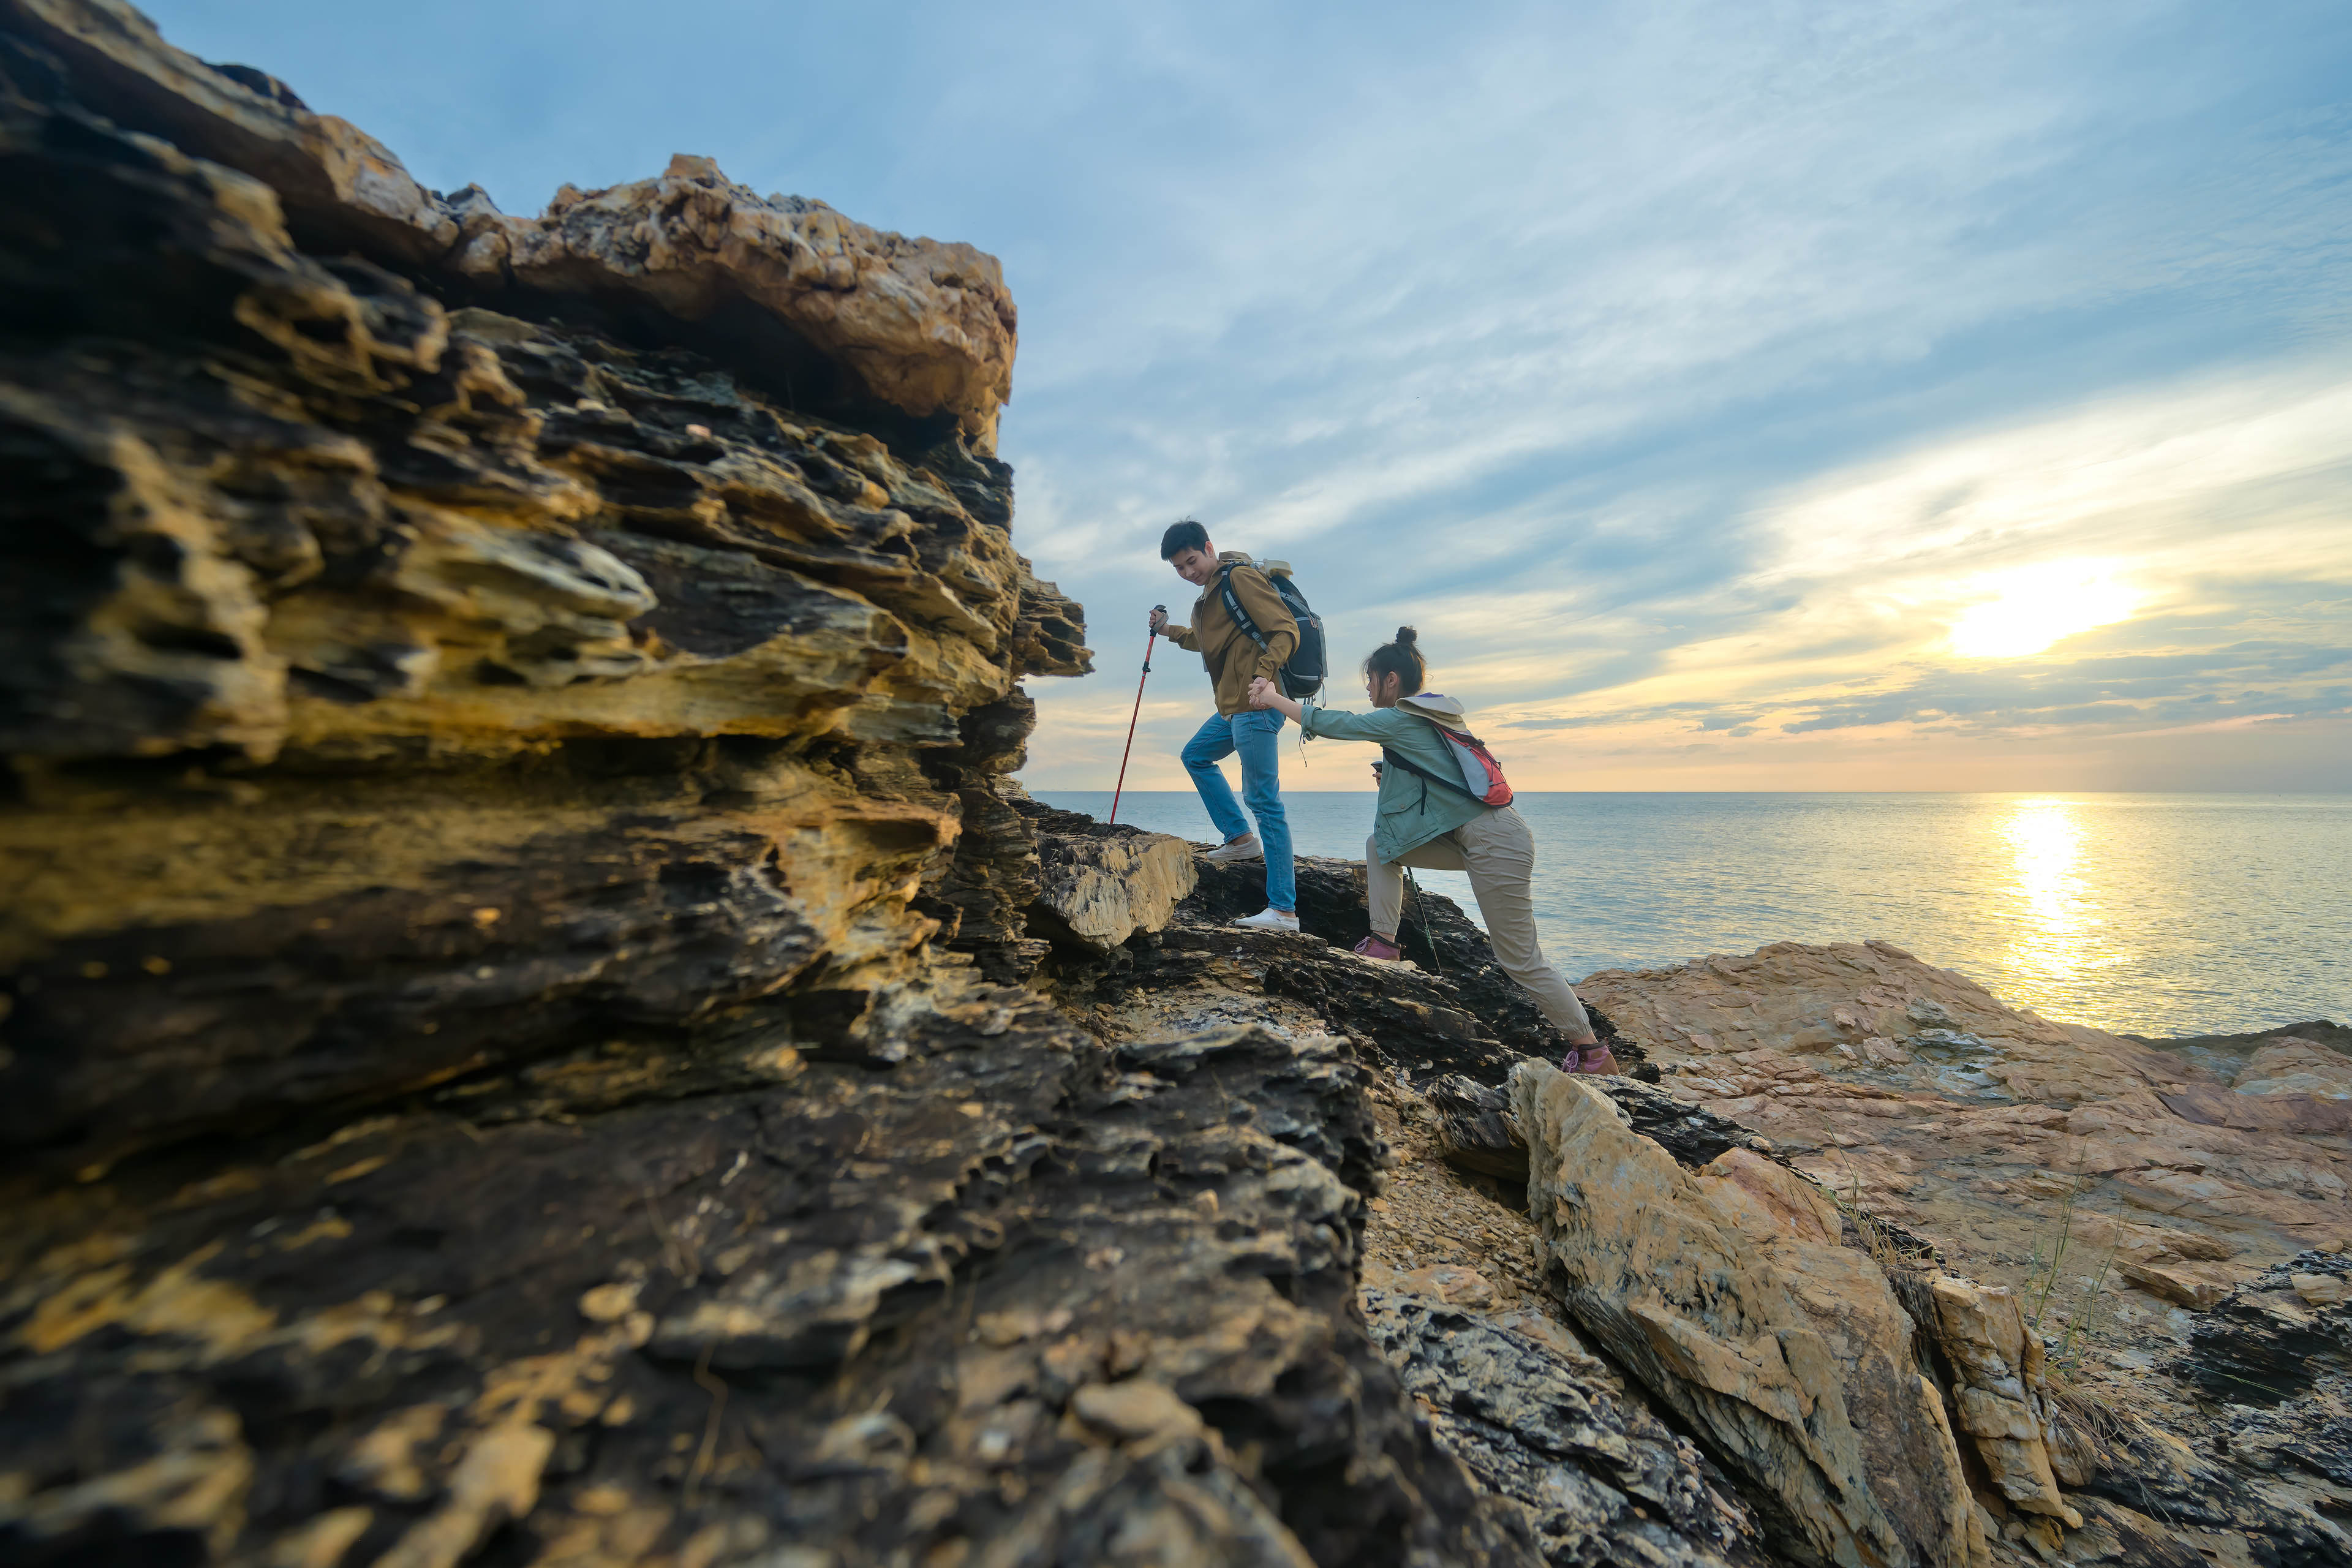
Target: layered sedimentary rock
[914,326]
[1099,885]
[1601,1479]
[537,1025]
[2179,1171]
[512,874]
[1729,1292]
[2001,1392]
[2117,1188]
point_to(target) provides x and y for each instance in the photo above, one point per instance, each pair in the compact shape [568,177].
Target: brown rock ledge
[925,328]
[512,867]
[510,997]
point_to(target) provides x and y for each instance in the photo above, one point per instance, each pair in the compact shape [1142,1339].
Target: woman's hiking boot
[1593,1060]
[1380,948]
[1268,920]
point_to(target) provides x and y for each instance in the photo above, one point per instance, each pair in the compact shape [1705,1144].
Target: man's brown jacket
[1233,659]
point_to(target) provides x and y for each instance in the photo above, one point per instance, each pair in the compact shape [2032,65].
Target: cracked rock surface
[537,1025]
[508,997]
[1547,1426]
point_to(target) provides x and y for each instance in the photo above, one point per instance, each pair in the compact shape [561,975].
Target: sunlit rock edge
[539,1026]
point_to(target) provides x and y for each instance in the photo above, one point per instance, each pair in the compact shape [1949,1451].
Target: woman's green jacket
[1412,811]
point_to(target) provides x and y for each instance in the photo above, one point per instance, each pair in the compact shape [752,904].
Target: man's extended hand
[1159,620]
[1262,693]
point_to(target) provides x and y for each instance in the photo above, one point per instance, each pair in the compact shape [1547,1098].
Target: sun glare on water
[2053,920]
[2036,607]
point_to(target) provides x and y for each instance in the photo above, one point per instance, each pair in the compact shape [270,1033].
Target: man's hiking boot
[1245,848]
[1268,920]
[1380,950]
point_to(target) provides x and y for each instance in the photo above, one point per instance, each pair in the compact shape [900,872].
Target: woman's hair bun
[1402,659]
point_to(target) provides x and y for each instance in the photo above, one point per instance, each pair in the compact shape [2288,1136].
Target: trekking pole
[1149,638]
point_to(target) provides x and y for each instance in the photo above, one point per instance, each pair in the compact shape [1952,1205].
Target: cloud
[1687,372]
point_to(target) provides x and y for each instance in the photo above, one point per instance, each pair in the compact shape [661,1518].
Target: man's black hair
[1182,534]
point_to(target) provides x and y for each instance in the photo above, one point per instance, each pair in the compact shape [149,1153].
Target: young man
[1234,659]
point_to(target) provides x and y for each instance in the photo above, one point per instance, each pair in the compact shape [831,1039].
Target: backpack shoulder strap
[1390,753]
[1233,608]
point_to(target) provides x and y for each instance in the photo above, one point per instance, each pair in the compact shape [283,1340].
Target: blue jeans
[1257,736]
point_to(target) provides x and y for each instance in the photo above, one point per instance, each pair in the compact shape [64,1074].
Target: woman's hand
[1264,693]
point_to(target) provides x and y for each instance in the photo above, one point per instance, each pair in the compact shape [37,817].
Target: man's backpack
[1482,777]
[1301,676]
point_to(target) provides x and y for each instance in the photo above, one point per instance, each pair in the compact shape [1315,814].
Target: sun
[2036,606]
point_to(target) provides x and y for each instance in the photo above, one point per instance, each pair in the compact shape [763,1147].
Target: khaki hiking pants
[1499,853]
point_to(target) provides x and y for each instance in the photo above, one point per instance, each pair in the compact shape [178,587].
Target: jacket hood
[1436,707]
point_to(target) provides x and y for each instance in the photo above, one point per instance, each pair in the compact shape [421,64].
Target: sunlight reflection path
[2054,924]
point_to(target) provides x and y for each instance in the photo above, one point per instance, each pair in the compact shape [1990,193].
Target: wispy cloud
[1687,372]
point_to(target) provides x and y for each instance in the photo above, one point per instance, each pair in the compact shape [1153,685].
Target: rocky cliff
[537,1027]
[513,1048]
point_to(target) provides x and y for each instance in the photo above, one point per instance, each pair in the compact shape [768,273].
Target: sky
[1737,395]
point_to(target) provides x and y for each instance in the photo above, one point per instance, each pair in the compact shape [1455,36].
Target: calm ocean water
[2148,913]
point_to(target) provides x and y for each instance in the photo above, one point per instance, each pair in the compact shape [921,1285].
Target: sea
[2157,915]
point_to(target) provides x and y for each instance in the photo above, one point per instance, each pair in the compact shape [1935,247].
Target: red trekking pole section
[1120,788]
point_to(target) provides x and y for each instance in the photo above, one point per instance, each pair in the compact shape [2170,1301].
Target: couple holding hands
[1424,740]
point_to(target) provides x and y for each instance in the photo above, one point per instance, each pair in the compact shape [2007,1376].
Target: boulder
[1725,1293]
[1099,885]
[2003,1394]
[2292,1065]
[1477,1132]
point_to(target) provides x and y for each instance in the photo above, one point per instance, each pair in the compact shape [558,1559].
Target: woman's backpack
[1301,674]
[1482,777]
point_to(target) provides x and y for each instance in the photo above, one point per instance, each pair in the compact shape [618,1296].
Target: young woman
[1439,829]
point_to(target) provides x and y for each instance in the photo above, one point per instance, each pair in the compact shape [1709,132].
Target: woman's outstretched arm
[1264,693]
[1379,727]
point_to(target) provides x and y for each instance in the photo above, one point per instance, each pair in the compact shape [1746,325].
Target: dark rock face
[1603,1480]
[2147,1480]
[2271,1341]
[1477,1130]
[506,1042]
[982,1283]
[1455,1011]
[396,692]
